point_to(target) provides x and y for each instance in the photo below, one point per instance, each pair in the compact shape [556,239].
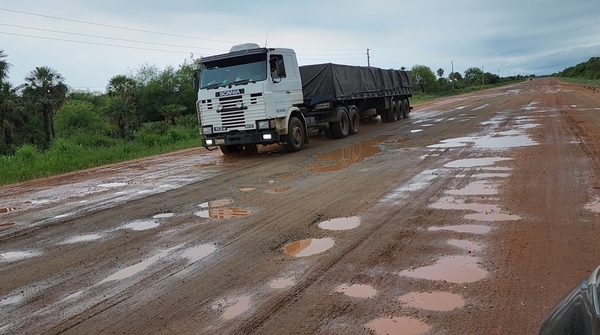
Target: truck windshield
[234,71]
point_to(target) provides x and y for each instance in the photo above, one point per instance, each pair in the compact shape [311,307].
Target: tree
[47,91]
[11,117]
[440,72]
[424,78]
[122,114]
[4,66]
[172,112]
[121,86]
[455,76]
[473,76]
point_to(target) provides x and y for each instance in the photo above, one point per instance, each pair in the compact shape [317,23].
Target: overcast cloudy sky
[509,36]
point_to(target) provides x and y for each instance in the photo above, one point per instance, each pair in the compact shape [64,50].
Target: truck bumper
[263,137]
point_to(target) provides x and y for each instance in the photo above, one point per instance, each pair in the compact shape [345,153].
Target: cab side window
[276,62]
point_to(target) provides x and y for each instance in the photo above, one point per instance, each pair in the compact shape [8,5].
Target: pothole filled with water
[286,175]
[283,282]
[197,253]
[136,268]
[223,213]
[246,188]
[112,185]
[398,325]
[139,225]
[340,223]
[6,224]
[233,307]
[465,228]
[451,203]
[466,245]
[12,256]
[593,206]
[433,301]
[344,157]
[82,238]
[308,247]
[278,190]
[492,217]
[357,290]
[475,162]
[215,203]
[453,269]
[4,210]
[475,188]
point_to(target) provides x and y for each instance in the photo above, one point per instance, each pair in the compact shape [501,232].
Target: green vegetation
[589,70]
[46,129]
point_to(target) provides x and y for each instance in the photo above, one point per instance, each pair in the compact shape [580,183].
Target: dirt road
[473,216]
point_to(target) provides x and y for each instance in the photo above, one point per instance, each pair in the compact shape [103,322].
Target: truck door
[287,87]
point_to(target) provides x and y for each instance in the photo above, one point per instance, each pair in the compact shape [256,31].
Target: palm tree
[172,112]
[4,66]
[47,90]
[121,86]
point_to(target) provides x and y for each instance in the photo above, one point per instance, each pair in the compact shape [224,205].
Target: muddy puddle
[6,224]
[487,142]
[163,216]
[451,203]
[475,162]
[453,269]
[490,175]
[12,256]
[398,325]
[492,217]
[139,225]
[357,290]
[197,253]
[433,301]
[465,228]
[215,203]
[112,185]
[308,247]
[340,223]
[475,188]
[278,190]
[593,206]
[223,213]
[286,175]
[416,130]
[283,282]
[136,268]
[5,210]
[266,182]
[344,157]
[83,238]
[233,307]
[246,188]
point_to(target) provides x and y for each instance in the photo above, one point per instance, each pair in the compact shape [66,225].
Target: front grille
[230,116]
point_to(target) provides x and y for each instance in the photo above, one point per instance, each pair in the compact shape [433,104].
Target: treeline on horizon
[145,106]
[585,70]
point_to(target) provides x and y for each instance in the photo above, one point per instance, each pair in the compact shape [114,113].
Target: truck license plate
[219,141]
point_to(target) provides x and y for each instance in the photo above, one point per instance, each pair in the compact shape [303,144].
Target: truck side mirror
[196,81]
[280,69]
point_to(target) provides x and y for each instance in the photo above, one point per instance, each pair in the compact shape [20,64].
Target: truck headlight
[265,124]
[207,130]
[209,142]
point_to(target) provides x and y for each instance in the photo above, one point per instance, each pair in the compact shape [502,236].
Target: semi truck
[256,95]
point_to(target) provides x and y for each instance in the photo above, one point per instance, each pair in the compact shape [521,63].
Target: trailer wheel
[384,116]
[295,136]
[354,120]
[342,126]
[231,149]
[392,112]
[406,105]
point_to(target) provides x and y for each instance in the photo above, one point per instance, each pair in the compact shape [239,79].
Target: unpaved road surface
[473,216]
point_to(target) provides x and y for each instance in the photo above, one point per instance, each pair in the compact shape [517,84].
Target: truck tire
[406,105]
[231,149]
[341,128]
[392,112]
[384,118]
[354,120]
[295,136]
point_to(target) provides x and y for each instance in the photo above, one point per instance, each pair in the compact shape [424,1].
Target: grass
[585,82]
[419,97]
[64,156]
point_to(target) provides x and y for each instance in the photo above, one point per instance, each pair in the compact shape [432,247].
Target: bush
[27,153]
[79,117]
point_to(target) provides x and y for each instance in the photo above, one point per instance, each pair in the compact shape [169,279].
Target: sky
[88,42]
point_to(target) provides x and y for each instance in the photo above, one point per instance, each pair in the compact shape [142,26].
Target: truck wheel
[342,126]
[392,112]
[384,116]
[406,105]
[354,120]
[231,149]
[295,136]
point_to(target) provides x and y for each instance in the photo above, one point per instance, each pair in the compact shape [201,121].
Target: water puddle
[474,162]
[246,188]
[266,182]
[74,295]
[195,254]
[489,175]
[433,301]
[278,190]
[492,217]
[593,206]
[139,225]
[13,256]
[340,223]
[10,301]
[475,188]
[163,216]
[398,325]
[286,175]
[136,268]
[6,224]
[82,238]
[7,209]
[398,140]
[215,203]
[308,247]
[283,282]
[233,307]
[347,156]
[223,213]
[451,203]
[465,228]
[416,130]
[487,142]
[357,290]
[453,269]
[112,185]
[466,245]
[63,215]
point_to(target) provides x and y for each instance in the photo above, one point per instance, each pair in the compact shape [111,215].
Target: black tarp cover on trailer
[325,82]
